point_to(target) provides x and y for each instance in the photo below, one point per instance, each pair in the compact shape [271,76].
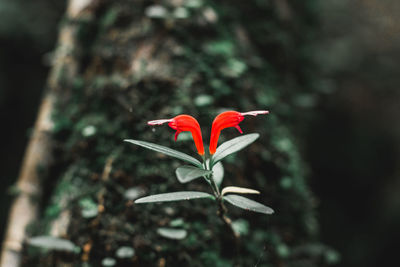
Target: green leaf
[233,145]
[175,196]
[108,262]
[240,226]
[89,208]
[248,204]
[125,252]
[166,150]
[188,173]
[218,173]
[172,233]
[177,222]
[52,243]
[238,190]
[133,193]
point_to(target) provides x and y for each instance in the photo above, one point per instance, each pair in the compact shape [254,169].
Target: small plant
[210,168]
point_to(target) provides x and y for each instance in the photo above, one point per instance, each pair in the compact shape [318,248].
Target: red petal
[255,112]
[159,122]
[184,123]
[176,135]
[240,130]
[228,119]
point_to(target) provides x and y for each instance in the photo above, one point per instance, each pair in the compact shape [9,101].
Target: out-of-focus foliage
[354,142]
[229,47]
[202,56]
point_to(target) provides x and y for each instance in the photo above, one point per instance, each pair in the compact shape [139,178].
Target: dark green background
[351,140]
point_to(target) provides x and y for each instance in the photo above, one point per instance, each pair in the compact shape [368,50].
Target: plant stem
[228,223]
[222,210]
[211,176]
[221,207]
[234,236]
[209,179]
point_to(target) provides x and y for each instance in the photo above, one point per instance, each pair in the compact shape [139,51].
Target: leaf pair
[235,200]
[187,173]
[224,150]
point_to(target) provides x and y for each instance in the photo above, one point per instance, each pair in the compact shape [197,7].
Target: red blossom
[228,119]
[184,123]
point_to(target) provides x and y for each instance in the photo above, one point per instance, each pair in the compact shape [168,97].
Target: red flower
[183,123]
[228,119]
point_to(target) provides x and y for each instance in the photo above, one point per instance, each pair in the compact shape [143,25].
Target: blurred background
[351,143]
[28,31]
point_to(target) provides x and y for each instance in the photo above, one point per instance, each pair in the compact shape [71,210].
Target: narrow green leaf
[238,190]
[218,173]
[248,204]
[166,150]
[52,243]
[233,145]
[188,173]
[175,196]
[172,233]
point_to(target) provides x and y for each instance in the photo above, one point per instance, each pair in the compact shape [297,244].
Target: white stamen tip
[158,122]
[255,112]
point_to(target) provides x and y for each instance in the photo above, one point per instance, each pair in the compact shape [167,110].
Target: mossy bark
[140,60]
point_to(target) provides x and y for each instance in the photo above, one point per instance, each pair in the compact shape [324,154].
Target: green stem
[211,176]
[221,207]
